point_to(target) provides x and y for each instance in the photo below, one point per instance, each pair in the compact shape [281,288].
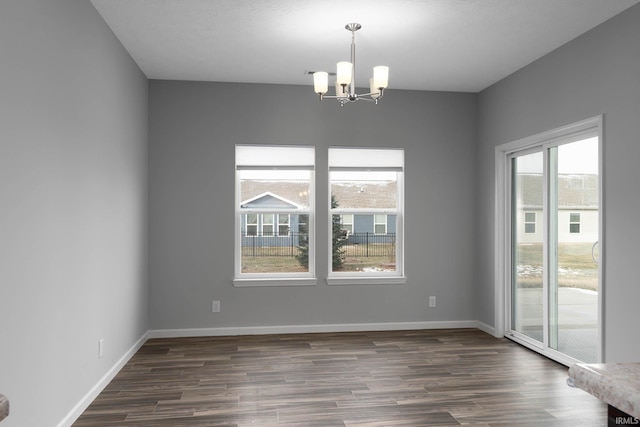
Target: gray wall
[193,129]
[73,131]
[597,73]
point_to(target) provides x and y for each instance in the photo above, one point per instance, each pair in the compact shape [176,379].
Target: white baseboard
[77,410]
[486,328]
[301,329]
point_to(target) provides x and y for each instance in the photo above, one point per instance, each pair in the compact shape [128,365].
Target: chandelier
[346,78]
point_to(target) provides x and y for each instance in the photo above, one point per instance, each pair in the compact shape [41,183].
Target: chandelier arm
[371,94]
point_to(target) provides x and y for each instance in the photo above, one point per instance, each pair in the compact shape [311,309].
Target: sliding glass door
[527,249]
[574,209]
[553,204]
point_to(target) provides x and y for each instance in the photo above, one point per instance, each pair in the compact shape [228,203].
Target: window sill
[364,280]
[297,281]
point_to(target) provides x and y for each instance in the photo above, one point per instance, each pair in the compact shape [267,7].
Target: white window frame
[256,225]
[259,225]
[578,222]
[264,224]
[368,159]
[535,218]
[279,223]
[375,224]
[281,158]
[345,223]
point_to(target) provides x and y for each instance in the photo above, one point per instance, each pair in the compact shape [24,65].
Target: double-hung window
[346,223]
[530,222]
[274,215]
[367,199]
[574,223]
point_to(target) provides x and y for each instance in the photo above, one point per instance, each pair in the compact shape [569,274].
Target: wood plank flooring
[375,379]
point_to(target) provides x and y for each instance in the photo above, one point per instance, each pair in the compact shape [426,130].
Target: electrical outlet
[100,348]
[215,306]
[432,301]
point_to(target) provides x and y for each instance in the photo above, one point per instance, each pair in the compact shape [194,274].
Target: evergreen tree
[303,242]
[337,241]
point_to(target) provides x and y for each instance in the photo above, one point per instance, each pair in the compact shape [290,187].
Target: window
[380,224]
[346,223]
[574,223]
[274,242]
[283,225]
[266,224]
[529,222]
[251,224]
[366,200]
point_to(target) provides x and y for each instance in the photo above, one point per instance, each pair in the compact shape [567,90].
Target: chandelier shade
[381,76]
[321,81]
[346,80]
[344,73]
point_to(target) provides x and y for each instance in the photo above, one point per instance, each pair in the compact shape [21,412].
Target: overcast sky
[575,158]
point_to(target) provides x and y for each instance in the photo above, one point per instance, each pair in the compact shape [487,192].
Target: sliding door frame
[503,229]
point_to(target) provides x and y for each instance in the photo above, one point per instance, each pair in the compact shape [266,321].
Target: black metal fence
[271,244]
[356,245]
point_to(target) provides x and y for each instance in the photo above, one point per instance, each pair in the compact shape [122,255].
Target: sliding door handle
[593,252]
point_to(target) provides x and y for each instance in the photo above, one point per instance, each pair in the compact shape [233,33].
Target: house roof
[366,195]
[575,191]
[294,192]
[270,200]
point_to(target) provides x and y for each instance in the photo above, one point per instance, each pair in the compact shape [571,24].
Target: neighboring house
[367,227]
[276,226]
[578,216]
[279,225]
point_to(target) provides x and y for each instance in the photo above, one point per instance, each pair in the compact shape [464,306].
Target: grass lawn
[279,264]
[576,268]
[576,255]
[373,263]
[289,264]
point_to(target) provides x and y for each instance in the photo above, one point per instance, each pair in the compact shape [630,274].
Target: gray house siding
[365,223]
[364,230]
[362,224]
[259,239]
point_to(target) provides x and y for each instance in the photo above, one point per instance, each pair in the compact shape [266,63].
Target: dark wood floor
[399,378]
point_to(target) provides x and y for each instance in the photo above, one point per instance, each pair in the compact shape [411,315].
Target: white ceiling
[448,45]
